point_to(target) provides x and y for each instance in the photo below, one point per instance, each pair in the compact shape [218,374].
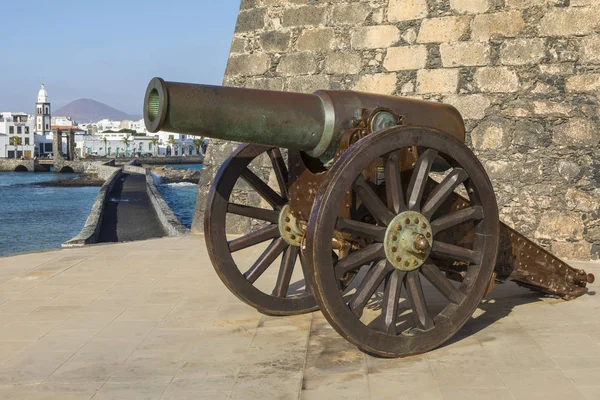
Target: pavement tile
[330,386]
[282,385]
[191,388]
[459,393]
[542,386]
[118,391]
[410,386]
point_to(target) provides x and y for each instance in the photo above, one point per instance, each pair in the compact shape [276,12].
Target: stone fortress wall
[525,74]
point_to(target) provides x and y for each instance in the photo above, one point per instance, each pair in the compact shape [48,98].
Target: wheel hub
[408,241]
[289,228]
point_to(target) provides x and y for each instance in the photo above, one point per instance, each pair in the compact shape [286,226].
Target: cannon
[376,212]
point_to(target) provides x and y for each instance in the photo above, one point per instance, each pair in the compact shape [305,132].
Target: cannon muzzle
[312,123]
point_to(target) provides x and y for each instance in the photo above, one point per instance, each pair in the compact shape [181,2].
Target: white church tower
[43,120]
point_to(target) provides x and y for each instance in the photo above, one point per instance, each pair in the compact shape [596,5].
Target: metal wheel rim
[218,246]
[321,272]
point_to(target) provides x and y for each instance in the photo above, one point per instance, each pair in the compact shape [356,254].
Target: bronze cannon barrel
[312,123]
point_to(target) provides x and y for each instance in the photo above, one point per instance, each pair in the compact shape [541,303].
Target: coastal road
[128,213]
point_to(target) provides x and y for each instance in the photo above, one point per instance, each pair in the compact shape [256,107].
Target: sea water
[181,198]
[36,218]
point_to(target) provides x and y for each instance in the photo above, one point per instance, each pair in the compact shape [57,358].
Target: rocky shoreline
[170,175]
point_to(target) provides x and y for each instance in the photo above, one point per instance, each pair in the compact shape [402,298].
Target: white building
[18,135]
[63,122]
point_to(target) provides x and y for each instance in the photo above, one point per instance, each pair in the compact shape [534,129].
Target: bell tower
[43,119]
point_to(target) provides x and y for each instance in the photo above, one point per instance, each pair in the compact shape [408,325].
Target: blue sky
[108,50]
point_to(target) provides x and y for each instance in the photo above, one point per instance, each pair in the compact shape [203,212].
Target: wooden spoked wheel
[401,301]
[273,281]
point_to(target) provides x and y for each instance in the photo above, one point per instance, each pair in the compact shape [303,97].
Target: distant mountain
[88,110]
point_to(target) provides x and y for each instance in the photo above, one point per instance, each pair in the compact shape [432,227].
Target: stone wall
[525,74]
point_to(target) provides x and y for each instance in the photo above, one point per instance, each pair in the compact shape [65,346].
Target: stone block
[583,83]
[238,45]
[303,16]
[471,6]
[437,80]
[577,132]
[276,41]
[497,80]
[543,107]
[522,51]
[307,84]
[316,39]
[492,134]
[297,64]
[531,134]
[250,20]
[590,50]
[470,106]
[341,63]
[578,200]
[443,29]
[350,14]
[502,24]
[568,170]
[248,64]
[524,4]
[265,83]
[458,54]
[556,225]
[377,83]
[569,21]
[572,251]
[375,37]
[406,10]
[405,58]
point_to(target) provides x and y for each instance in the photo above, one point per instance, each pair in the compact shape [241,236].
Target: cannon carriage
[377,213]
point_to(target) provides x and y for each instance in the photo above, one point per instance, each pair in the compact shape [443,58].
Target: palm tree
[16,142]
[154,141]
[198,143]
[172,143]
[126,141]
[105,140]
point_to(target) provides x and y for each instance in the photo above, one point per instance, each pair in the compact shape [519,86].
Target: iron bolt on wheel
[273,235]
[401,301]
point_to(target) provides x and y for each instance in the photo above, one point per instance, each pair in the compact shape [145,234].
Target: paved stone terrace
[151,320]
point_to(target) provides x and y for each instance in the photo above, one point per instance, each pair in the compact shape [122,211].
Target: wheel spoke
[305,273]
[443,190]
[361,229]
[373,203]
[281,172]
[359,258]
[265,260]
[275,200]
[457,217]
[393,285]
[393,184]
[443,284]
[417,300]
[368,286]
[285,272]
[455,252]
[253,238]
[254,212]
[418,180]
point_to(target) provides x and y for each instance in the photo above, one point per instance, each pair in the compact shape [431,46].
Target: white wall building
[13,126]
[63,122]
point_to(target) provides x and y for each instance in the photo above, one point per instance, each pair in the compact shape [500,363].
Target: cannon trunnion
[367,207]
